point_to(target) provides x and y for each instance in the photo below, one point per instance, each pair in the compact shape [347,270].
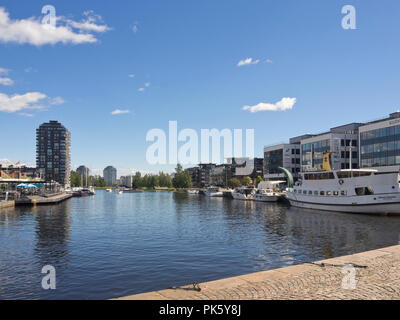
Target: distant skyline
[111,72]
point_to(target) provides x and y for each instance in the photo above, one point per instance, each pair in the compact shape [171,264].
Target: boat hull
[214,194]
[377,209]
[266,198]
[239,196]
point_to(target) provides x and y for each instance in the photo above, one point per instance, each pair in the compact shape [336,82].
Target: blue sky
[185,56]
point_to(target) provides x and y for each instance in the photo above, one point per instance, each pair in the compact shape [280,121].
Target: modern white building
[341,141]
[286,155]
[380,143]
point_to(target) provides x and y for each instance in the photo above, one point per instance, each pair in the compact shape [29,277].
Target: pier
[376,274]
[43,200]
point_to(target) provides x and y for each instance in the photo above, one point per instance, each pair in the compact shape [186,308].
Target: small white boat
[109,190]
[213,192]
[266,195]
[243,193]
[191,191]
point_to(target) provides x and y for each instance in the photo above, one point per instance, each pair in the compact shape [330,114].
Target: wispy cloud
[57,101]
[141,89]
[6,81]
[32,31]
[131,75]
[18,102]
[118,111]
[250,61]
[24,114]
[284,104]
[4,71]
[247,62]
[147,84]
[135,28]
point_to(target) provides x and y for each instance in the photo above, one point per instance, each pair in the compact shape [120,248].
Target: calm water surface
[114,245]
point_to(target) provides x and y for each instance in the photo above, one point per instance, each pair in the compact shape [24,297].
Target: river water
[113,245]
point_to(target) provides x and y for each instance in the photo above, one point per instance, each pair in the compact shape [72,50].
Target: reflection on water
[113,245]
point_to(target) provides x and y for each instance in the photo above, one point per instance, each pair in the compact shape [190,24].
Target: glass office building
[380,142]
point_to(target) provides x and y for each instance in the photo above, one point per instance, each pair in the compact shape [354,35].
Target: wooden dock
[371,275]
[39,200]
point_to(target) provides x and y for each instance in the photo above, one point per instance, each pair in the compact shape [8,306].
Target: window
[316,193]
[343,193]
[310,193]
[364,191]
[335,193]
[304,192]
[322,193]
[328,193]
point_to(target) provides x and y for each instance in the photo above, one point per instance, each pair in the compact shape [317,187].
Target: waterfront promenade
[377,276]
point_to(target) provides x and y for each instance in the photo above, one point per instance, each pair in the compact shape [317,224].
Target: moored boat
[350,190]
[213,192]
[243,193]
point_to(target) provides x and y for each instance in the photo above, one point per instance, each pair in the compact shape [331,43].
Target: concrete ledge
[7,204]
[377,275]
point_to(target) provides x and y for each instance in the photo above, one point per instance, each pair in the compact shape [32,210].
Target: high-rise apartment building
[53,153]
[110,176]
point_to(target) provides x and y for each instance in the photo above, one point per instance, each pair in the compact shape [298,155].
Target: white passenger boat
[243,193]
[213,192]
[355,191]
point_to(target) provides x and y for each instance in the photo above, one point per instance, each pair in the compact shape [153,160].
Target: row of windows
[379,133]
[321,193]
[381,161]
[360,191]
[380,147]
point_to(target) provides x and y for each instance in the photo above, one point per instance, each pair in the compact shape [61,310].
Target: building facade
[84,172]
[341,141]
[53,153]
[380,143]
[110,176]
[126,181]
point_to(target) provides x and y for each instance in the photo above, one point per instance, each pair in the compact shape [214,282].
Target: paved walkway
[376,275]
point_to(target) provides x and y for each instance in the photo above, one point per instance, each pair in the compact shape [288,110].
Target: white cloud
[131,75]
[6,81]
[284,104]
[135,28]
[4,71]
[141,89]
[32,31]
[147,84]
[118,111]
[247,61]
[18,102]
[30,115]
[268,61]
[57,101]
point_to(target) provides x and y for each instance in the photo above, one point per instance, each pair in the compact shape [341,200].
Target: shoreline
[376,276]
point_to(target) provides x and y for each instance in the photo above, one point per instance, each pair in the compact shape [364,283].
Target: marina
[169,239]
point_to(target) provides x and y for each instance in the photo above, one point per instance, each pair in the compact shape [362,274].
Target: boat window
[344,174]
[316,193]
[310,192]
[361,173]
[343,193]
[322,193]
[304,192]
[364,191]
[328,193]
[335,193]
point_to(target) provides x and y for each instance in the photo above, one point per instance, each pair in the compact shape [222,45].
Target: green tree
[137,181]
[181,178]
[258,180]
[246,181]
[234,183]
[75,179]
